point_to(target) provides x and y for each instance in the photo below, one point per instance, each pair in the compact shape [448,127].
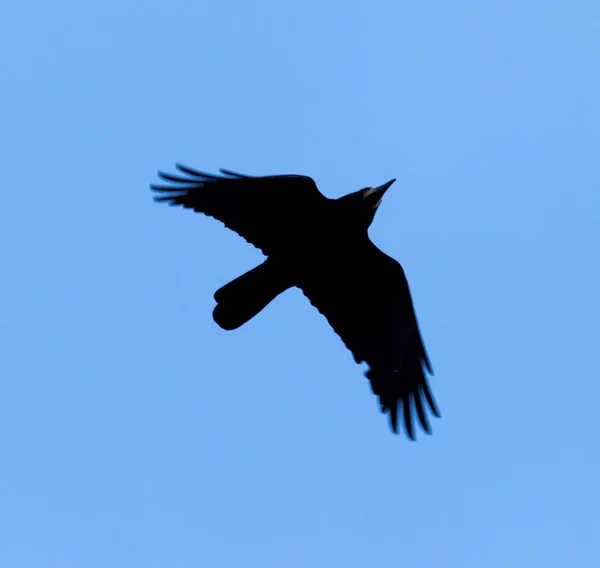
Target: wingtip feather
[408,422]
[232,174]
[195,173]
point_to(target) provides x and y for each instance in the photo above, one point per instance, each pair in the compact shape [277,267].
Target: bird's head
[363,204]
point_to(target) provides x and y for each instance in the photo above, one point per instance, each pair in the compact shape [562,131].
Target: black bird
[321,246]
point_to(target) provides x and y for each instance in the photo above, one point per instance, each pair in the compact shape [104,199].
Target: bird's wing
[367,301]
[262,210]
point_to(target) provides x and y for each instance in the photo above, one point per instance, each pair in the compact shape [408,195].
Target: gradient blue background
[136,433]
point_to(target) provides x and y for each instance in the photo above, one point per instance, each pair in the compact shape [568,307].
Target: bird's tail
[241,299]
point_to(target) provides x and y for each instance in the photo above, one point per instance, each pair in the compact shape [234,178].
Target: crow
[321,246]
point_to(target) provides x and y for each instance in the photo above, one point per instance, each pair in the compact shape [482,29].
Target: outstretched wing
[262,210]
[366,299]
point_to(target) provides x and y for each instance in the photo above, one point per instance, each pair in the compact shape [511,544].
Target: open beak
[377,193]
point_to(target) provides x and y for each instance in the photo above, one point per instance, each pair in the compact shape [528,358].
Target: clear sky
[136,433]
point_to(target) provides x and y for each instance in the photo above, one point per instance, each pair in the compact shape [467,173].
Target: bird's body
[321,246]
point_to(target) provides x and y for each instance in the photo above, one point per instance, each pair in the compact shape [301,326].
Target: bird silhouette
[321,246]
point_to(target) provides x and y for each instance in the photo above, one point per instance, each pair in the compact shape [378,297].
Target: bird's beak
[377,193]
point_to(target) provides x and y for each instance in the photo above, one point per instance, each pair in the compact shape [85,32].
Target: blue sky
[136,433]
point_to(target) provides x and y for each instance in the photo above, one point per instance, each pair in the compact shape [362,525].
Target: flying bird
[321,246]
